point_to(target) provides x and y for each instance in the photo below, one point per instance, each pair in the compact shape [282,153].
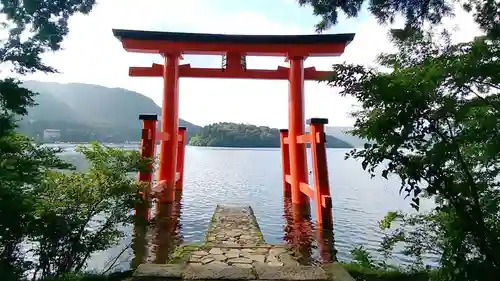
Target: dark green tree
[80,213]
[32,28]
[434,122]
[227,134]
[416,13]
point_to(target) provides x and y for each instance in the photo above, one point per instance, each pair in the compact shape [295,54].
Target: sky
[92,55]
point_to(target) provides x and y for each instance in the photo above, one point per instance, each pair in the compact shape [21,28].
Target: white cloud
[93,55]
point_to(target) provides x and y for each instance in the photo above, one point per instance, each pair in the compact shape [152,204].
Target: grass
[182,253]
[256,224]
[361,273]
[212,222]
[260,236]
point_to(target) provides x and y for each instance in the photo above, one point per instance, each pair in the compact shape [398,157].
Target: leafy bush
[78,214]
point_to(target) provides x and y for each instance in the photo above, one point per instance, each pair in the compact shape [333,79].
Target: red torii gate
[234,49]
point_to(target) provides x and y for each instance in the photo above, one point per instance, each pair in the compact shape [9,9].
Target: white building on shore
[51,135]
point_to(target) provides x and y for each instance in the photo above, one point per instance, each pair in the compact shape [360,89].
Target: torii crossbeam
[234,49]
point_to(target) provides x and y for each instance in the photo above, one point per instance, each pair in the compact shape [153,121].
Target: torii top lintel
[221,44]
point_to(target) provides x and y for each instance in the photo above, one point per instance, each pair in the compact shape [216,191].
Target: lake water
[253,177]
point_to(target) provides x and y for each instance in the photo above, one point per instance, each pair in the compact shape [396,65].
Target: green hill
[243,135]
[85,112]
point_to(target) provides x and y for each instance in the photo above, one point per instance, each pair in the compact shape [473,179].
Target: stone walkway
[233,226]
[234,238]
[235,249]
[244,257]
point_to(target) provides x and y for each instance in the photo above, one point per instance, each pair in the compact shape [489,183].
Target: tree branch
[483,98]
[484,233]
[111,266]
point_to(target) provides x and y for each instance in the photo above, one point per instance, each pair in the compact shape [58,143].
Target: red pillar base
[148,143]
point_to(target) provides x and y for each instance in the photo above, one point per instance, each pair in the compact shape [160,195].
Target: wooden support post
[320,173]
[180,158]
[285,163]
[148,143]
[169,128]
[298,158]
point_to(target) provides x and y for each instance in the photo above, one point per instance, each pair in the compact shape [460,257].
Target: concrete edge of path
[150,272]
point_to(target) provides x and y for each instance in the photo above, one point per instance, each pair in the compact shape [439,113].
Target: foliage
[35,27]
[115,276]
[239,135]
[181,253]
[361,273]
[243,135]
[22,165]
[31,28]
[434,121]
[361,257]
[82,213]
[432,115]
[421,234]
[364,267]
[415,13]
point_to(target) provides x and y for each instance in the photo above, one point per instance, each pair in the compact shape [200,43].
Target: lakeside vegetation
[227,134]
[433,121]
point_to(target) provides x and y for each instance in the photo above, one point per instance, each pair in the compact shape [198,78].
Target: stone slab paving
[225,272]
[234,238]
[244,257]
[155,272]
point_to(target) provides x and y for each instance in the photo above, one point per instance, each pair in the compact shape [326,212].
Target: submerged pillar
[285,162]
[323,200]
[296,126]
[181,150]
[169,128]
[148,143]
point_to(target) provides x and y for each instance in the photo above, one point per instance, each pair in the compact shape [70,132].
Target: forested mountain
[243,135]
[84,112]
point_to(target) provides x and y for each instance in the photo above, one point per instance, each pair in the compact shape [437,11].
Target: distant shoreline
[138,143]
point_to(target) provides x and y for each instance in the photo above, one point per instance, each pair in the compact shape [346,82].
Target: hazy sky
[92,55]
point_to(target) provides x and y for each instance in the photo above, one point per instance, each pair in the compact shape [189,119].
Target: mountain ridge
[89,112]
[85,112]
[340,132]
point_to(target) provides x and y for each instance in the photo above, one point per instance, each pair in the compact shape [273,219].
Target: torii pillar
[296,126]
[169,127]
